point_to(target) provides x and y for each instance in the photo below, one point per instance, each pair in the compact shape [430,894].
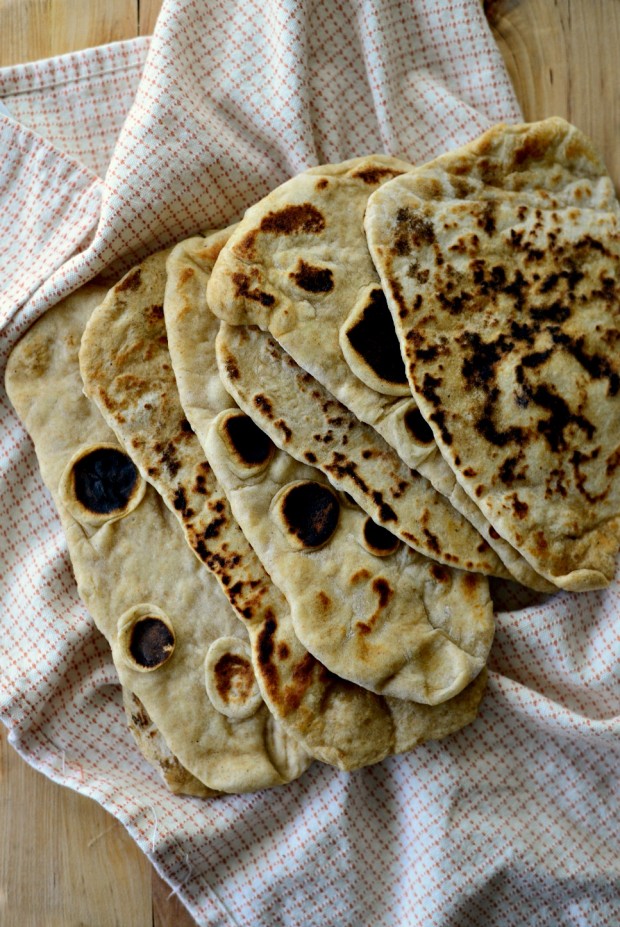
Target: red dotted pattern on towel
[55,98]
[510,821]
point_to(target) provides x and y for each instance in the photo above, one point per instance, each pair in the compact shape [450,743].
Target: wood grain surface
[563,59]
[64,861]
[31,29]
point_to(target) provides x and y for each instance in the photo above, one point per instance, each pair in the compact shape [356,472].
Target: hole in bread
[101,483]
[307,512]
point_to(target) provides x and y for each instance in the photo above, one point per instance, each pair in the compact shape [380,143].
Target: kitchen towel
[115,152]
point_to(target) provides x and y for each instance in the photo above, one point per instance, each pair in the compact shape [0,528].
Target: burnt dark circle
[379,540]
[310,511]
[374,337]
[105,479]
[151,642]
[417,427]
[252,446]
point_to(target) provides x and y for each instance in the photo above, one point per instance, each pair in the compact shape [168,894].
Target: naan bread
[298,266]
[160,614]
[338,722]
[303,419]
[371,609]
[500,261]
[156,751]
[422,663]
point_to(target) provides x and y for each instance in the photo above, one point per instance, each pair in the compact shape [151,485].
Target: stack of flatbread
[291,456]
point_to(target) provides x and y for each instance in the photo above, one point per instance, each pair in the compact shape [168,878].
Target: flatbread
[337,722]
[302,418]
[156,751]
[500,262]
[298,266]
[371,609]
[161,616]
[381,654]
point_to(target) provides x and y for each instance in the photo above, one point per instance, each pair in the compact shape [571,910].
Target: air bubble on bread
[249,449]
[146,637]
[101,484]
[307,513]
[229,678]
[370,346]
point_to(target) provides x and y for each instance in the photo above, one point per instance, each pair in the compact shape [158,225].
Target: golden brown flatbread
[373,612]
[159,610]
[501,264]
[156,751]
[371,609]
[337,721]
[303,419]
[298,266]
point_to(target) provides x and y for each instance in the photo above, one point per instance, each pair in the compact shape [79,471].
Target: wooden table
[63,860]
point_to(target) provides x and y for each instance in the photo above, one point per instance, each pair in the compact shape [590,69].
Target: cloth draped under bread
[513,816]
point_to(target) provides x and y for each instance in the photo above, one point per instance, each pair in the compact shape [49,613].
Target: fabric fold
[50,212]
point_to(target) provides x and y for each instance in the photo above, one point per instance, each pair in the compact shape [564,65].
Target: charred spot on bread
[101,483]
[130,282]
[233,672]
[417,426]
[146,637]
[249,447]
[378,540]
[372,336]
[151,642]
[301,217]
[307,512]
[244,290]
[229,678]
[311,278]
[105,480]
